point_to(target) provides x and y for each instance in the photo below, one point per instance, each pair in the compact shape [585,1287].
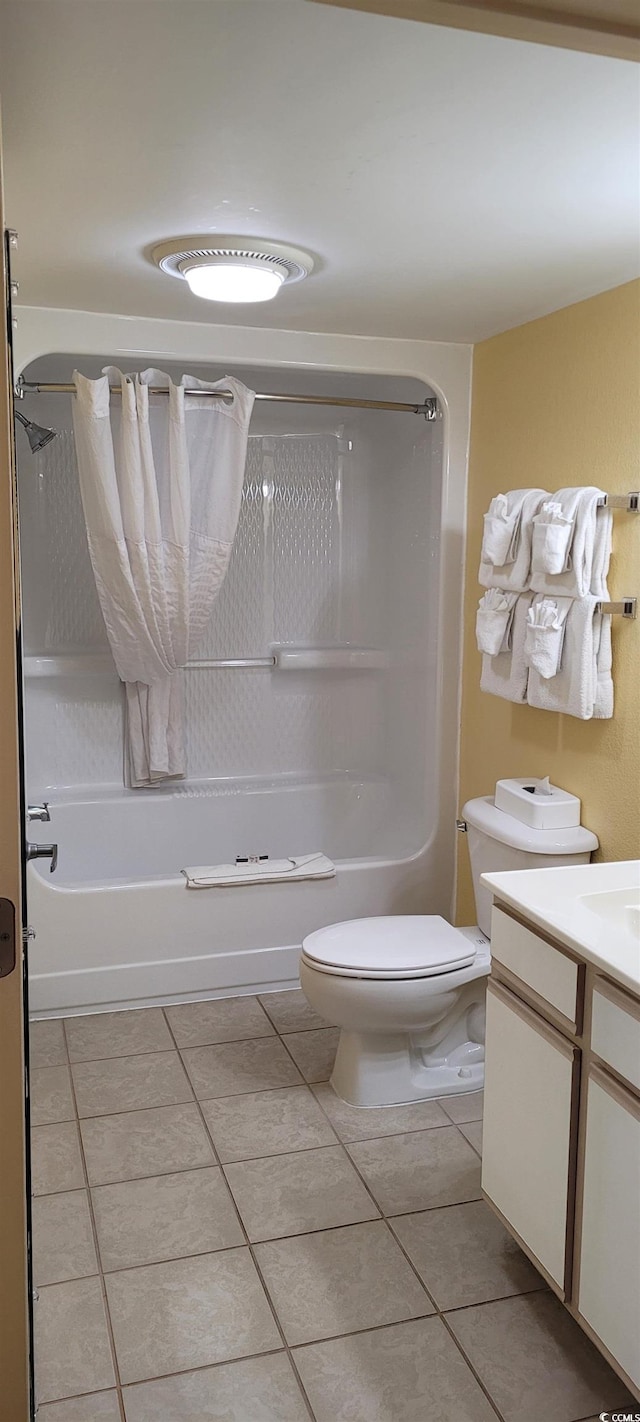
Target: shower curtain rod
[429,407]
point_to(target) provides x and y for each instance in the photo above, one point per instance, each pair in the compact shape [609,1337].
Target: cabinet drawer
[615,1031]
[550,974]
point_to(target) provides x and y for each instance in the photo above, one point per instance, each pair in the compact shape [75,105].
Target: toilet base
[380,1069]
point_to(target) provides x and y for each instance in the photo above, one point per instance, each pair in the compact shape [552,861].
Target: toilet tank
[497,841]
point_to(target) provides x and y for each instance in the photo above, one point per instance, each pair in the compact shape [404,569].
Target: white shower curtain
[161,500]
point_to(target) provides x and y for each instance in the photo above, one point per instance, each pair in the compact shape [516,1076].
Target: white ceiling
[451,184]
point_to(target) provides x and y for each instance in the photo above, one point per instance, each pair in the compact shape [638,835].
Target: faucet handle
[44,851]
[39,812]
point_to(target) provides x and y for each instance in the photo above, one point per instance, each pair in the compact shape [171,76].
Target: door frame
[16,1394]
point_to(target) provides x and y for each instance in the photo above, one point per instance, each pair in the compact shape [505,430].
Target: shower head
[37,435]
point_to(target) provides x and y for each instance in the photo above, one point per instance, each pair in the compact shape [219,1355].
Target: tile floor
[217,1236]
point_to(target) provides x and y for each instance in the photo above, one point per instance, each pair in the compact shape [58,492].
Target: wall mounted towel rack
[629,502]
[627,607]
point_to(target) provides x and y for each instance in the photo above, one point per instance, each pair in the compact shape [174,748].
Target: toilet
[408,992]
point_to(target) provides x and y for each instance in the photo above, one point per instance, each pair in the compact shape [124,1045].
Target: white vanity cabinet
[561,1136]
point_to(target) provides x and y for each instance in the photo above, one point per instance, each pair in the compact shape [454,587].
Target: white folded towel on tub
[265,871]
[506,674]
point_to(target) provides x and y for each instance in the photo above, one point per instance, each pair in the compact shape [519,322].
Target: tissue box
[537,804]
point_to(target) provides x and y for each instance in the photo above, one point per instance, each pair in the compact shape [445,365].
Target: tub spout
[38,812]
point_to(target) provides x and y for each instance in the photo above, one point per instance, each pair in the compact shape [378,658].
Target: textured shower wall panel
[309,566]
[306,540]
[239,625]
[73,617]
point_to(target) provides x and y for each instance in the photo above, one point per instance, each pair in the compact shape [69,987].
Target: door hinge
[7,937]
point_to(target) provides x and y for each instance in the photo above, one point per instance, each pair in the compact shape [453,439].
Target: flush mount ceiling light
[236,269]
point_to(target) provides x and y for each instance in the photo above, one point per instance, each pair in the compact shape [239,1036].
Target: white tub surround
[326,687]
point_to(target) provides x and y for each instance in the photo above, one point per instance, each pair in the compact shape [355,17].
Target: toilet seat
[389,948]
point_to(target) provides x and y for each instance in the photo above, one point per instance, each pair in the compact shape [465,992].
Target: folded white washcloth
[544,637]
[577,689]
[552,533]
[506,674]
[499,540]
[267,871]
[580,508]
[494,620]
[513,575]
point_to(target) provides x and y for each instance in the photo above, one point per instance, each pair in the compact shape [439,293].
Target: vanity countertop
[594,909]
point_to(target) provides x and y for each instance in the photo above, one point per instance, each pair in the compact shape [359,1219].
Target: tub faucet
[43,851]
[38,812]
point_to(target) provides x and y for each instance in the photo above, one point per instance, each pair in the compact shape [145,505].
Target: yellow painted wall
[556,402]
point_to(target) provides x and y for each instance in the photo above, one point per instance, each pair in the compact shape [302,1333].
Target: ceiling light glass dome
[236,269]
[234,279]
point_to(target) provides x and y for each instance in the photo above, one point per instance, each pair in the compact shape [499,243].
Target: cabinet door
[609,1251]
[529,1126]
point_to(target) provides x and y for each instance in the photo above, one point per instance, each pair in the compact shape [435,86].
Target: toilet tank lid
[506,829]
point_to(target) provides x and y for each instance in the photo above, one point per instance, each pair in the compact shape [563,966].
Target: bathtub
[116,925]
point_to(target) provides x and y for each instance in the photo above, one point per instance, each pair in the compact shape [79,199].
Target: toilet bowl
[408,992]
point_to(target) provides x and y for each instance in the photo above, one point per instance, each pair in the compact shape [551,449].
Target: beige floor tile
[465,1256]
[419,1171]
[355,1123]
[166,1217]
[314,1052]
[535,1362]
[130,1083]
[254,1390]
[411,1372]
[292,1194]
[51,1095]
[266,1123]
[340,1280]
[56,1162]
[290,1011]
[223,1019]
[117,1034]
[72,1352]
[473,1133]
[234,1068]
[467,1107]
[96,1407]
[189,1313]
[47,1046]
[159,1141]
[63,1246]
